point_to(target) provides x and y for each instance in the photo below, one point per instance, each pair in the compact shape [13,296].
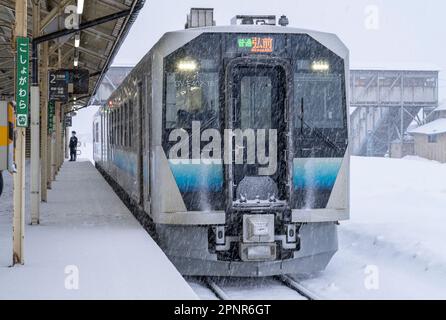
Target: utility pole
[21,30]
[35,129]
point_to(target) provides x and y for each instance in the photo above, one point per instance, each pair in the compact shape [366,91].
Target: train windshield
[319,100]
[191,96]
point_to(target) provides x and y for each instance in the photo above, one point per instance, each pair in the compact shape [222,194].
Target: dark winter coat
[73,143]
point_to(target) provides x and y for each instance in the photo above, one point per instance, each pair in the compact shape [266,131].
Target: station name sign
[22,82]
[51,114]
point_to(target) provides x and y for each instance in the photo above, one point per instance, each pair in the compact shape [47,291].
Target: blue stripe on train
[126,161]
[192,177]
[314,173]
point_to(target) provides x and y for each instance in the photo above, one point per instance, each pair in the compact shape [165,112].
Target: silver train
[233,143]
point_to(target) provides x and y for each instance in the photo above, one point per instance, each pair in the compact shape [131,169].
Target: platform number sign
[22,82]
[58,85]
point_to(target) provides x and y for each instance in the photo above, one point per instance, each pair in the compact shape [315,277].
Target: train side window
[130,133]
[118,126]
[110,125]
[113,125]
[115,119]
[121,125]
[126,124]
[96,131]
[142,113]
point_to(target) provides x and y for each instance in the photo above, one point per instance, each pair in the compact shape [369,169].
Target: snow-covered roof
[436,126]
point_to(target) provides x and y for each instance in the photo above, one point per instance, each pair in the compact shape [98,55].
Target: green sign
[22,82]
[245,42]
[51,113]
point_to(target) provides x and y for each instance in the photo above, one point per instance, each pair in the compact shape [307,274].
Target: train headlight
[320,66]
[187,66]
[258,228]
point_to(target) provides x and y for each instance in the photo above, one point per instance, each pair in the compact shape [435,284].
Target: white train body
[233,142]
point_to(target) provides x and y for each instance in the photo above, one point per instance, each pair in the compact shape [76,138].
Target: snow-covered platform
[88,245]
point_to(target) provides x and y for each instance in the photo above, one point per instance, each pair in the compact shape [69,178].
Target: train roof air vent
[200,17]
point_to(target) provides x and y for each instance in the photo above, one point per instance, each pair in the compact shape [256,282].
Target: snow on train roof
[434,127]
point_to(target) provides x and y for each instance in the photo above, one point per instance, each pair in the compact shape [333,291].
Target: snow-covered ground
[393,247]
[88,246]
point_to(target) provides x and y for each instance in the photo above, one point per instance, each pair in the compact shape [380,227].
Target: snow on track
[235,288]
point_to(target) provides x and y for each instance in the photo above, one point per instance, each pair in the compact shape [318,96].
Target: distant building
[430,139]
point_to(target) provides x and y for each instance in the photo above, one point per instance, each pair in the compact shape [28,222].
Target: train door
[257,102]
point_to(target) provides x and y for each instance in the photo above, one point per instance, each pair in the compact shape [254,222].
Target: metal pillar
[35,156]
[58,137]
[67,134]
[21,26]
[54,145]
[49,173]
[44,125]
[35,130]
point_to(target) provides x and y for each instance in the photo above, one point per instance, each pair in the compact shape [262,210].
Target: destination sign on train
[256,44]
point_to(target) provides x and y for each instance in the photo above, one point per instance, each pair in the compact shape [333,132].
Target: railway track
[279,287]
[298,287]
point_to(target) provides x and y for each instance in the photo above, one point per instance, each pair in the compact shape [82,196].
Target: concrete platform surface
[88,246]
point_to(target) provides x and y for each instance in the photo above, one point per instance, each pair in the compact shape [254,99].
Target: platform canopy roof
[98,43]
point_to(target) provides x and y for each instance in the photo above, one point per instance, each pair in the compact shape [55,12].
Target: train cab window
[192,97]
[319,100]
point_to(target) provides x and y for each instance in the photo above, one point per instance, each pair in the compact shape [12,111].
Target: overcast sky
[379,33]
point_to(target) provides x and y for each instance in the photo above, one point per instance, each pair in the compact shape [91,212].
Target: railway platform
[88,245]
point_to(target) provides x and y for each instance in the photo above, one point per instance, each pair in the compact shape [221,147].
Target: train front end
[250,159]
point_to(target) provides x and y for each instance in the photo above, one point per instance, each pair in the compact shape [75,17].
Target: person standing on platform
[73,146]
